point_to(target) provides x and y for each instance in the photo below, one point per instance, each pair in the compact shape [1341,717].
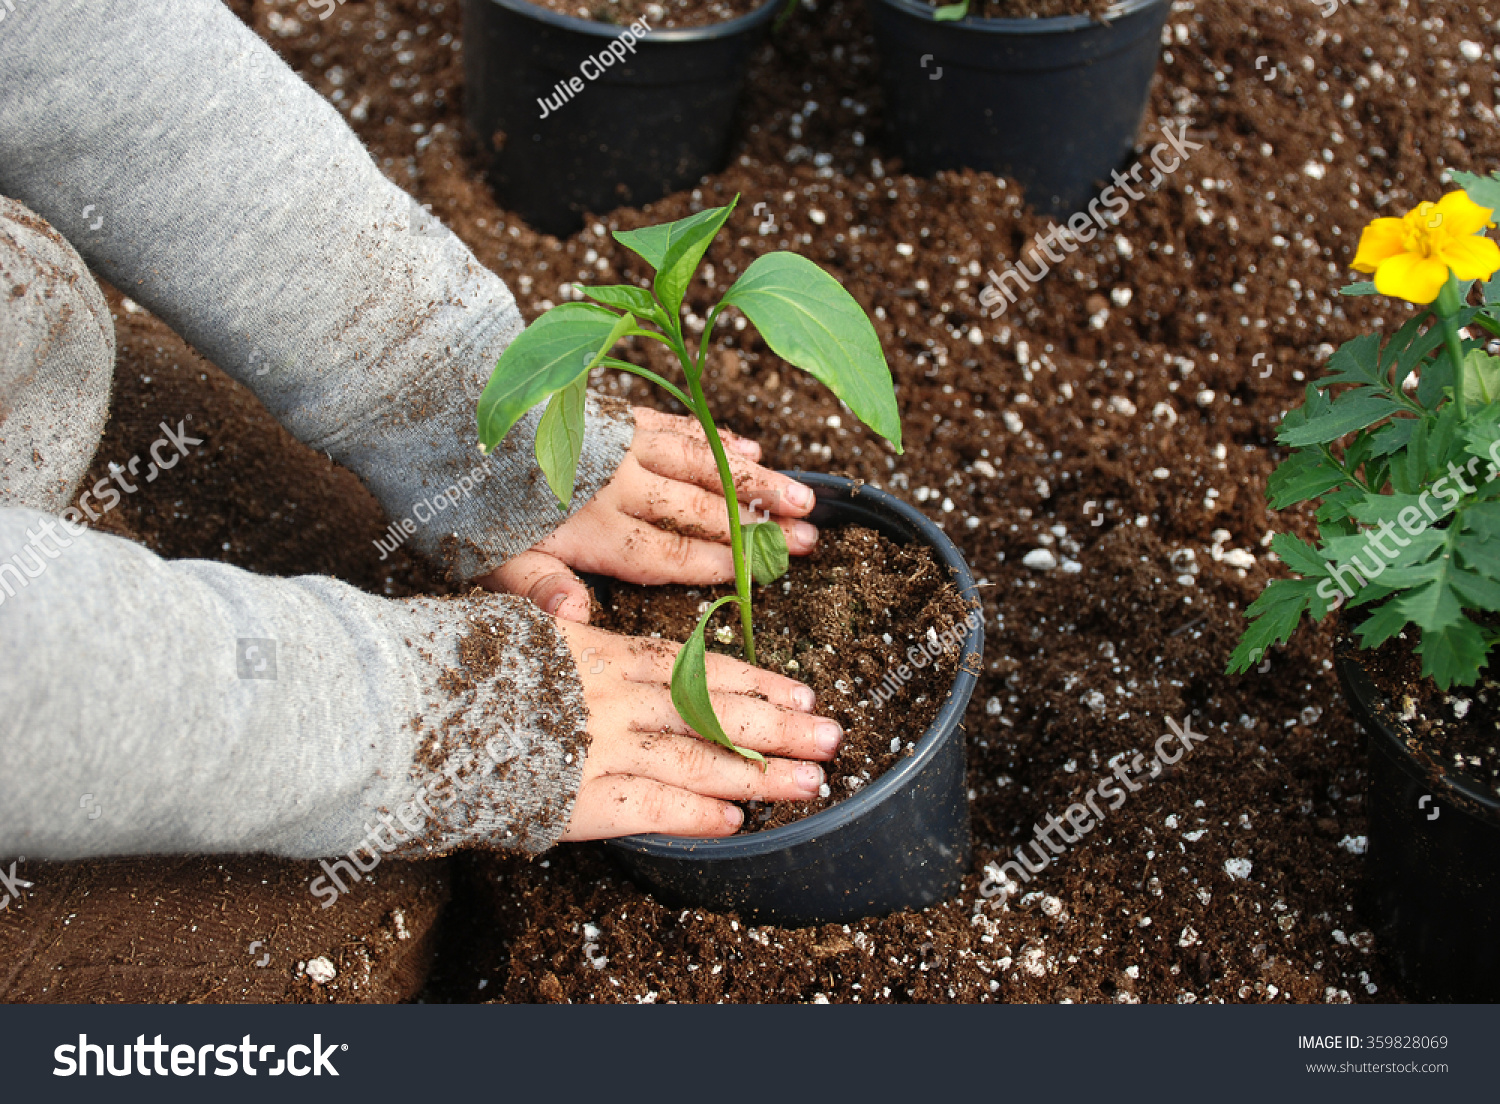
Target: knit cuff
[501,742]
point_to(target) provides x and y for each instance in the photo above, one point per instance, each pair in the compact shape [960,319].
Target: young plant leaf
[1273,619]
[1298,555]
[690,688]
[809,320]
[1381,625]
[674,250]
[1453,654]
[559,438]
[559,435]
[952,11]
[548,355]
[1353,410]
[1364,287]
[1305,474]
[1483,190]
[627,297]
[765,546]
[1481,377]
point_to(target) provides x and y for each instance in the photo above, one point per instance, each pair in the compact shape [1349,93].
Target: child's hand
[668,478]
[645,772]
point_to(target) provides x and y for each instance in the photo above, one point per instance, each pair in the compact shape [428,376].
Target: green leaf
[1273,619]
[1483,521]
[1305,474]
[1433,606]
[1351,411]
[1415,352]
[1477,591]
[1437,377]
[765,547]
[1482,437]
[559,435]
[674,250]
[1483,190]
[626,297]
[1383,624]
[1298,555]
[1481,377]
[548,355]
[1364,287]
[690,688]
[1392,437]
[1372,509]
[809,320]
[1454,654]
[1333,514]
[1356,361]
[559,438]
[952,11]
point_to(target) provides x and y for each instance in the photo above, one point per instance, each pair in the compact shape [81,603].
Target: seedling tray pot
[1433,857]
[901,842]
[1052,103]
[649,125]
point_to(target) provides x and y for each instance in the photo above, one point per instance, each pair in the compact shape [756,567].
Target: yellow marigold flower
[1411,256]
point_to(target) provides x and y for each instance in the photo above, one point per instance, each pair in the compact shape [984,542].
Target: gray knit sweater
[198,707]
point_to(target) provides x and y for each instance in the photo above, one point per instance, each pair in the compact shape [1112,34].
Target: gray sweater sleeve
[155,707]
[195,171]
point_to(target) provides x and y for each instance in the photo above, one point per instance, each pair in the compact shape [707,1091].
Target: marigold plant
[1399,445]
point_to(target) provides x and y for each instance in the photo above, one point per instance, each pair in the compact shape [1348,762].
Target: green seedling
[802,313]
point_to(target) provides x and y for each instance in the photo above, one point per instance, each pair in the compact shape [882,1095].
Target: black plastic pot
[652,124]
[1052,103]
[901,842]
[1434,858]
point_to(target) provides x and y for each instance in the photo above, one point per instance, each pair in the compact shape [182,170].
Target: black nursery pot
[901,842]
[652,124]
[1052,103]
[1434,859]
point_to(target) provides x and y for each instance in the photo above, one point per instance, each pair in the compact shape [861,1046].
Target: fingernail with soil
[827,737]
[804,699]
[799,497]
[734,816]
[744,447]
[806,535]
[808,776]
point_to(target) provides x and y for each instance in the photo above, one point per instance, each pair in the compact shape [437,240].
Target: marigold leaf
[1454,654]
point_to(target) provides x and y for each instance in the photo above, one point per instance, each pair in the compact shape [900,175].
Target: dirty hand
[646,772]
[667,477]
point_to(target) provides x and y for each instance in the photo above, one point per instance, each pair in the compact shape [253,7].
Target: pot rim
[870,797]
[1383,725]
[1057,24]
[712,33]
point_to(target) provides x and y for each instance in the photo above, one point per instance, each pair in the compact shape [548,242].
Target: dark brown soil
[235,930]
[1122,416]
[1459,728]
[660,15]
[843,621]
